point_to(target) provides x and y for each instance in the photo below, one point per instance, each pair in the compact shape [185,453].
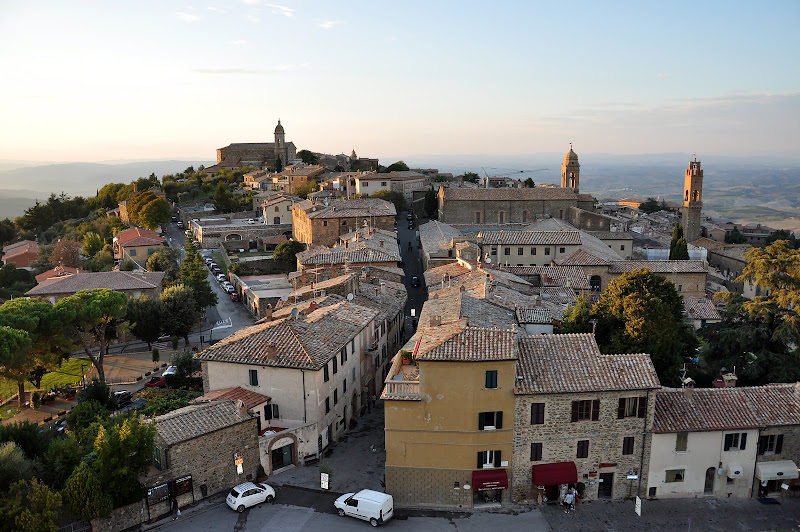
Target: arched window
[595,283]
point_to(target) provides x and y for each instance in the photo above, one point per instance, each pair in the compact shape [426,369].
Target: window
[477,217]
[680,288]
[383,183]
[335,366]
[344,386]
[325,376]
[494,251]
[327,404]
[324,223]
[365,184]
[546,251]
[561,250]
[354,374]
[277,209]
[343,355]
[157,458]
[132,252]
[583,449]
[352,345]
[536,452]
[736,440]
[622,247]
[501,217]
[771,444]
[506,251]
[537,413]
[271,412]
[681,442]
[253,377]
[674,475]
[488,459]
[491,379]
[627,445]
[520,251]
[490,420]
[336,396]
[533,251]
[586,410]
[632,407]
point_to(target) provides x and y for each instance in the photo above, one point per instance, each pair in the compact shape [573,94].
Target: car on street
[251,221]
[249,494]
[180,225]
[170,371]
[122,398]
[216,270]
[409,216]
[220,278]
[228,287]
[369,505]
[155,382]
[415,281]
[235,296]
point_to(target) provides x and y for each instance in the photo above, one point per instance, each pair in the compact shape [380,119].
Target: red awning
[489,479]
[552,474]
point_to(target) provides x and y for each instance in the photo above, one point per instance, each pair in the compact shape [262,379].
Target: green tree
[278,165]
[102,261]
[135,204]
[84,414]
[223,201]
[471,177]
[14,465]
[155,213]
[123,453]
[431,205]
[399,166]
[304,189]
[14,363]
[577,318]
[393,196]
[649,206]
[286,252]
[782,234]
[641,312]
[66,252]
[678,248]
[308,157]
[85,496]
[92,244]
[734,236]
[27,436]
[37,218]
[50,341]
[165,259]
[144,315]
[194,274]
[88,313]
[61,458]
[529,183]
[179,311]
[8,231]
[31,506]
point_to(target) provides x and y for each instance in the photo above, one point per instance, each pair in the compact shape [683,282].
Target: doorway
[606,488]
[708,489]
[282,456]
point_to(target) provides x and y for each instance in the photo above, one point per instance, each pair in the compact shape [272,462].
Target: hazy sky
[99,80]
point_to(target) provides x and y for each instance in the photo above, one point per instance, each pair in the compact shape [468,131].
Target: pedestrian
[574,498]
[762,492]
[568,500]
[176,512]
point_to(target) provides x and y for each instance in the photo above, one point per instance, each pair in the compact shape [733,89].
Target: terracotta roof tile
[117,280]
[700,309]
[469,344]
[659,266]
[551,276]
[196,420]
[509,194]
[250,398]
[531,238]
[581,258]
[572,363]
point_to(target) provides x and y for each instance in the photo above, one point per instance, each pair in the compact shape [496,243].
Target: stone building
[133,284]
[581,416]
[692,201]
[321,224]
[200,444]
[363,248]
[136,244]
[570,171]
[256,154]
[21,254]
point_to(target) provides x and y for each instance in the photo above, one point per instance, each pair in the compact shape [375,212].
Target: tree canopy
[678,248]
[650,205]
[144,315]
[308,157]
[286,252]
[179,311]
[734,236]
[431,204]
[14,363]
[394,196]
[194,275]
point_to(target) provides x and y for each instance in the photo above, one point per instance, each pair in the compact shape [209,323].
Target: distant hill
[83,179]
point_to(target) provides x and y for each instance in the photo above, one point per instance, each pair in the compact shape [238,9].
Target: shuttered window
[537,413]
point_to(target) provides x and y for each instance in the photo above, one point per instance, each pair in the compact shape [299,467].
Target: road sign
[638,507]
[323,480]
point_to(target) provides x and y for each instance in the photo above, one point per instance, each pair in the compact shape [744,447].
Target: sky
[96,81]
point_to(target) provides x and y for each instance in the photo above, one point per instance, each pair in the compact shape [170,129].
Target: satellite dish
[350,296]
[295,312]
[488,260]
[366,269]
[284,298]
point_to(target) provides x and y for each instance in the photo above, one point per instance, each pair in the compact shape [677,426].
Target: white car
[169,371]
[221,278]
[249,494]
[251,221]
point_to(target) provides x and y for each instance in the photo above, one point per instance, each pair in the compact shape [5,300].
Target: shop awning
[735,471]
[777,470]
[552,474]
[489,479]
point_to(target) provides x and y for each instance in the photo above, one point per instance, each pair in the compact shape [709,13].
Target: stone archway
[233,236]
[280,442]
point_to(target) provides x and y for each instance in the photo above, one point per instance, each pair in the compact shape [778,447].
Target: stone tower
[570,170]
[280,143]
[692,200]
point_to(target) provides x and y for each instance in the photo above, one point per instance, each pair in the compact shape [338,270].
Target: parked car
[220,278]
[170,371]
[415,281]
[249,494]
[251,221]
[228,287]
[216,270]
[155,382]
[235,296]
[180,225]
[122,398]
[409,216]
[369,505]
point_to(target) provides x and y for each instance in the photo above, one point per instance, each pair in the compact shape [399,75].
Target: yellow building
[450,417]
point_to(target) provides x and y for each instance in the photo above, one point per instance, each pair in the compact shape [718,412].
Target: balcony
[402,382]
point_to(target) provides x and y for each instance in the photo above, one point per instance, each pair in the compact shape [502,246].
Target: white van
[369,505]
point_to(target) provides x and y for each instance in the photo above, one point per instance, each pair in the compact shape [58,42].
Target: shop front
[549,478]
[777,474]
[488,486]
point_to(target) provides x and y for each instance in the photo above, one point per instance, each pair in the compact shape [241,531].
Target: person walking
[176,511]
[574,498]
[568,500]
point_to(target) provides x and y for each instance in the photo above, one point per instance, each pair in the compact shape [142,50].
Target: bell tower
[692,200]
[280,143]
[570,170]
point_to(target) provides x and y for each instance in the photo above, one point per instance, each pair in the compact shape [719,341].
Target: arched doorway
[708,489]
[595,283]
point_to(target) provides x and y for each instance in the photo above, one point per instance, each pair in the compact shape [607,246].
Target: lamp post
[83,376]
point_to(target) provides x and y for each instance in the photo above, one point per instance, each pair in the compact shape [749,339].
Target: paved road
[413,267]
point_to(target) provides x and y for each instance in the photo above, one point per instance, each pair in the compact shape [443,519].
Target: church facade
[256,154]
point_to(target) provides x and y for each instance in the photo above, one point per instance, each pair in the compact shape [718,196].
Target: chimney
[435,321]
[730,380]
[240,409]
[688,388]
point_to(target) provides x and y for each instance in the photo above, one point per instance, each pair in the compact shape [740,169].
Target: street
[413,268]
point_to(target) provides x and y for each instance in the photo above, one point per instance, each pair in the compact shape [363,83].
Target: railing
[402,390]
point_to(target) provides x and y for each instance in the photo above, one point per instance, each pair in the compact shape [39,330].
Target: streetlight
[83,376]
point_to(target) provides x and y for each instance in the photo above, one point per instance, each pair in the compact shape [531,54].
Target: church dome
[570,156]
[279,128]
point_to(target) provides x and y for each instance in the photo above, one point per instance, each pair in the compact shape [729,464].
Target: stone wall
[463,211]
[790,451]
[209,458]
[432,488]
[560,436]
[122,518]
[588,220]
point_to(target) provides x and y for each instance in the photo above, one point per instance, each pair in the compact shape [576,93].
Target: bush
[156,355]
[99,391]
[174,342]
[260,473]
[36,400]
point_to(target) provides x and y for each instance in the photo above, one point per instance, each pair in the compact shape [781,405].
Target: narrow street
[413,268]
